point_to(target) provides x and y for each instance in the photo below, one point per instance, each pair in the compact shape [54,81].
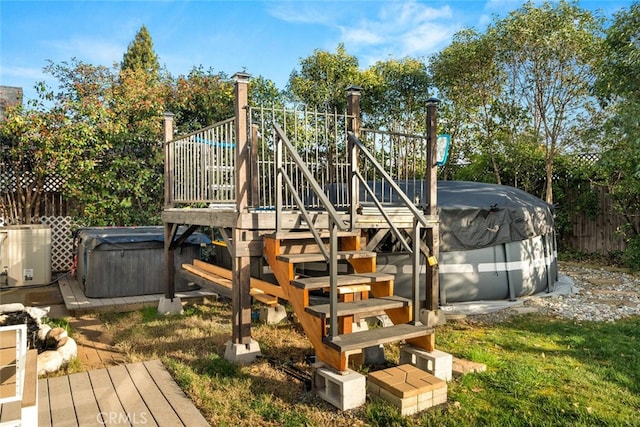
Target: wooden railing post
[433,233]
[243,154]
[353,125]
[168,159]
[241,275]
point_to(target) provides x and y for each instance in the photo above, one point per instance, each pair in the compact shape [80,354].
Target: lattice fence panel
[61,241]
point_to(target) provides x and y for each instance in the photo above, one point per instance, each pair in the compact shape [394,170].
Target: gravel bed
[600,295]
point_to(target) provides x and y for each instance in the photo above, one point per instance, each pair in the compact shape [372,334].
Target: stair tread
[373,337]
[373,306]
[343,280]
[315,257]
[293,235]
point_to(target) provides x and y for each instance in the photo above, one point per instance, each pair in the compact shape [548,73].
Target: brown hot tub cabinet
[126,261]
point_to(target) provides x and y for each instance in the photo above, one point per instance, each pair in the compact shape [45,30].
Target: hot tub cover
[92,237]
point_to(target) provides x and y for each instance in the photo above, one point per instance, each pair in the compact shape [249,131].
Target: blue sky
[265,38]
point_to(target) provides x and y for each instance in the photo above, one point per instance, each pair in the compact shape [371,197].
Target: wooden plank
[371,307]
[343,280]
[44,411]
[262,285]
[10,411]
[105,393]
[84,401]
[351,289]
[72,301]
[306,235]
[373,337]
[61,402]
[342,255]
[258,294]
[180,403]
[219,289]
[158,405]
[133,404]
[30,391]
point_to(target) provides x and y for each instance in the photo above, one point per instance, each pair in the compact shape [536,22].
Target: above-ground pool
[496,242]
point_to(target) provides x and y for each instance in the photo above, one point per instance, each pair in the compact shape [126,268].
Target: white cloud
[22,73]
[361,36]
[94,51]
[401,29]
[303,12]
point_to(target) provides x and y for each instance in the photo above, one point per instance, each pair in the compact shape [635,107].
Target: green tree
[618,88]
[323,78]
[548,53]
[471,83]
[396,92]
[140,54]
[201,99]
[59,143]
[115,128]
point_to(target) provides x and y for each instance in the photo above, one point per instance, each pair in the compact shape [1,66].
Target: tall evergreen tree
[140,54]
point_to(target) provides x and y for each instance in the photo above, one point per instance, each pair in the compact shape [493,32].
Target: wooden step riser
[300,248]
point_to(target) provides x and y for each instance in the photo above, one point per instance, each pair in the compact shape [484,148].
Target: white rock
[38,312]
[11,308]
[54,336]
[68,350]
[43,331]
[49,361]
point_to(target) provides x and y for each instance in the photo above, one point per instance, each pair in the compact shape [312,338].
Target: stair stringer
[299,299]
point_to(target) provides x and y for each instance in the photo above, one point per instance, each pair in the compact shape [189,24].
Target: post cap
[168,115]
[354,88]
[241,76]
[433,101]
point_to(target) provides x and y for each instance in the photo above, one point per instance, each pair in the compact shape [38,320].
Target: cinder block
[242,353]
[343,390]
[167,306]
[436,362]
[273,315]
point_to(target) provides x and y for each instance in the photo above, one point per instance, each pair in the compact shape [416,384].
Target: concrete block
[462,366]
[167,306]
[436,362]
[432,318]
[242,353]
[374,355]
[273,315]
[343,390]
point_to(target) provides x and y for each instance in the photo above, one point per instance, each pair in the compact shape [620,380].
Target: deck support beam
[241,265]
[433,284]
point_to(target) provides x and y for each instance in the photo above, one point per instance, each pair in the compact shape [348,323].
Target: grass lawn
[540,372]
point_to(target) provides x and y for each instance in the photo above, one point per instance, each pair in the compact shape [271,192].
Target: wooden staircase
[362,292]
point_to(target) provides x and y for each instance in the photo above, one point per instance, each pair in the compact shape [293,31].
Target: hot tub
[126,261]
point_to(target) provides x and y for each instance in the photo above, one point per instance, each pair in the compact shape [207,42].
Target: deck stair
[362,292]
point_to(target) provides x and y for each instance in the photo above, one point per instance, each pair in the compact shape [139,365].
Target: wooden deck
[142,393]
[77,303]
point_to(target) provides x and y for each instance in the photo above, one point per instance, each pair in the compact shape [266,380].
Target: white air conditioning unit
[25,255]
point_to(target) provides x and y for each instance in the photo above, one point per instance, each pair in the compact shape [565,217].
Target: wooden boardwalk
[142,393]
[77,303]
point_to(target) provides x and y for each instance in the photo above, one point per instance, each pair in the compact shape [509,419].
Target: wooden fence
[602,233]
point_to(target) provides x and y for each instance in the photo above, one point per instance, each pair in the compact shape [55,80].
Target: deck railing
[203,162]
[320,140]
[203,165]
[403,157]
